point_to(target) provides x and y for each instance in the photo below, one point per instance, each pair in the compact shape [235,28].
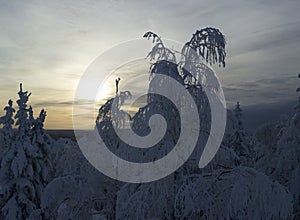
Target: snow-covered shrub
[226,157]
[66,157]
[68,160]
[240,193]
[194,199]
[282,159]
[67,197]
[146,201]
[294,188]
[268,135]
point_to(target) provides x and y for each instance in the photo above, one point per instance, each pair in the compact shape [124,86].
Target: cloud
[256,115]
[266,90]
[48,45]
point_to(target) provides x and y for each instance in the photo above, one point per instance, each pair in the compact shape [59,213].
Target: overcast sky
[48,45]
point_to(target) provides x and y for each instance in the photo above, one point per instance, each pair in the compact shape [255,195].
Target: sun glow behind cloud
[134,77]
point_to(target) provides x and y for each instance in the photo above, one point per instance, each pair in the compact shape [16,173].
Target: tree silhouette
[206,45]
[238,140]
[298,91]
[111,110]
[209,43]
[159,51]
[239,124]
[8,122]
[24,166]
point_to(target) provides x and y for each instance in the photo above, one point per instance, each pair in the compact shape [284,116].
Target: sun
[104,93]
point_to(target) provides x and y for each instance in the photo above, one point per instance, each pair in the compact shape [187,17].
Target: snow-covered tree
[240,141]
[295,122]
[227,188]
[67,197]
[146,201]
[280,161]
[159,51]
[8,121]
[210,46]
[111,111]
[23,174]
[69,162]
[239,193]
[22,114]
[294,187]
[44,142]
[298,91]
[238,137]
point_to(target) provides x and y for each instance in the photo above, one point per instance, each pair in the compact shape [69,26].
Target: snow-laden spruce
[24,166]
[7,121]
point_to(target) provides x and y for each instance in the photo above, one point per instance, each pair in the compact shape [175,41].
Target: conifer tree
[8,121]
[22,173]
[238,141]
